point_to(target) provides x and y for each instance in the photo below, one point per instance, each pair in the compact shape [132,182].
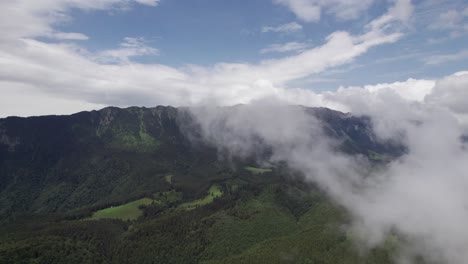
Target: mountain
[140,185]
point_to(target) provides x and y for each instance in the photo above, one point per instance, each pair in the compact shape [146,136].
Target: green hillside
[128,211]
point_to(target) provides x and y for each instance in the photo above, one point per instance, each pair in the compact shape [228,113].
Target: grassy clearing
[168,178]
[254,170]
[128,211]
[131,210]
[213,192]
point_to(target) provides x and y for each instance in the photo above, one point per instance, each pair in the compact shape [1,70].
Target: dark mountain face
[62,163]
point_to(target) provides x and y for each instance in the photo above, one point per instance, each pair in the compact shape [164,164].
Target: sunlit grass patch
[128,211]
[168,178]
[213,192]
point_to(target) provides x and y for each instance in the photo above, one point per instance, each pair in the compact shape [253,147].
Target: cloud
[451,93]
[311,10]
[440,59]
[447,93]
[411,89]
[23,18]
[284,28]
[129,48]
[419,197]
[286,47]
[148,2]
[402,9]
[16,100]
[112,78]
[68,36]
[451,20]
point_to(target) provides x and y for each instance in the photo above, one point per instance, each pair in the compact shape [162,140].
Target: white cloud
[421,196]
[70,72]
[69,36]
[16,100]
[148,2]
[395,99]
[411,89]
[24,18]
[284,28]
[451,92]
[311,10]
[432,173]
[439,59]
[451,19]
[129,48]
[402,9]
[286,47]
[443,21]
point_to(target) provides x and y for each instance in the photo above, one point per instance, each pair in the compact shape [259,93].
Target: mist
[420,196]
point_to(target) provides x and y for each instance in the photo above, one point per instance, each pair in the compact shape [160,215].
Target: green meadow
[128,211]
[168,178]
[132,210]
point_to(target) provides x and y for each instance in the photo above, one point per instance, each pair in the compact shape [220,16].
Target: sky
[65,56]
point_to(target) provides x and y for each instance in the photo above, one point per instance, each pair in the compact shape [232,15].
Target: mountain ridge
[39,151]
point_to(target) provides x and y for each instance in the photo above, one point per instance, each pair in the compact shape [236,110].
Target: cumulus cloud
[411,89]
[451,92]
[284,28]
[311,10]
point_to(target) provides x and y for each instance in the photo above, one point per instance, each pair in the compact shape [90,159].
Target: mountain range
[142,185]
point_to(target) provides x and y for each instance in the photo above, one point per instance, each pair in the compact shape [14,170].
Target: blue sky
[209,48]
[194,32]
[206,32]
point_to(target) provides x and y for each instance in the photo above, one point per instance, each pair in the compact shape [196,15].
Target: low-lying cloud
[421,196]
